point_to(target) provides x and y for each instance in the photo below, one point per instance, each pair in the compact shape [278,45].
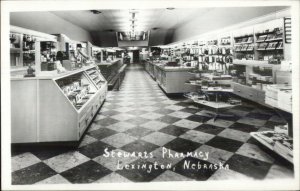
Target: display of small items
[214,57]
[270,45]
[48,56]
[206,96]
[244,47]
[225,40]
[238,73]
[14,40]
[260,76]
[77,91]
[95,76]
[28,50]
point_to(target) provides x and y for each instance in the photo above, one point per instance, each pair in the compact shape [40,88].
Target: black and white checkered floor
[139,118]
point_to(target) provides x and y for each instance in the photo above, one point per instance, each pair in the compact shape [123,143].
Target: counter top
[109,63]
[172,68]
[52,74]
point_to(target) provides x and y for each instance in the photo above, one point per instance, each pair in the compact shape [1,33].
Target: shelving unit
[268,41]
[25,49]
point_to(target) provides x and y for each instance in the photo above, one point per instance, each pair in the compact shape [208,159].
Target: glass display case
[77,88]
[61,106]
[96,77]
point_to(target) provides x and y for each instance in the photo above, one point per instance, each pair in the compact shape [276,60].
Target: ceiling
[166,26]
[118,20]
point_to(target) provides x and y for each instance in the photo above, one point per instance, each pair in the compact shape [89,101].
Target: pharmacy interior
[85,83]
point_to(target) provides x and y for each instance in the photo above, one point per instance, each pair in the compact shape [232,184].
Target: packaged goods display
[77,88]
[96,77]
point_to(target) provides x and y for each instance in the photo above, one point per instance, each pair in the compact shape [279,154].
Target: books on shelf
[250,39]
[271,46]
[261,38]
[244,47]
[270,37]
[250,47]
[262,46]
[279,45]
[238,48]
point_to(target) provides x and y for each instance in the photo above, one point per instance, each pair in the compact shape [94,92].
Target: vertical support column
[37,58]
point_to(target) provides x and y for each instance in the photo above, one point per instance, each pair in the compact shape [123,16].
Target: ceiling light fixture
[170,8]
[96,12]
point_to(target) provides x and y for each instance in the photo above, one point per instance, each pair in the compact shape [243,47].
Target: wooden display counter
[171,79]
[248,92]
[43,109]
[113,72]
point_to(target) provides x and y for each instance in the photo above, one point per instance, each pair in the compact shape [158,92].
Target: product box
[272,90]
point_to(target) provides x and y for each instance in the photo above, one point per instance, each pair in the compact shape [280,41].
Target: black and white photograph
[161,95]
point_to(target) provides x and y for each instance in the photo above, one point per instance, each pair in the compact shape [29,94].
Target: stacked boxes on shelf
[274,95]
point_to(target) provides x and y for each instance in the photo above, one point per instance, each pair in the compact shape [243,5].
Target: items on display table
[271,136]
[234,101]
[277,140]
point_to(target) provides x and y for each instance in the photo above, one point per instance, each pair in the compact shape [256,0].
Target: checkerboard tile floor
[141,118]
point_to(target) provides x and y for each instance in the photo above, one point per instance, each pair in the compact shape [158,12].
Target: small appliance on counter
[30,72]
